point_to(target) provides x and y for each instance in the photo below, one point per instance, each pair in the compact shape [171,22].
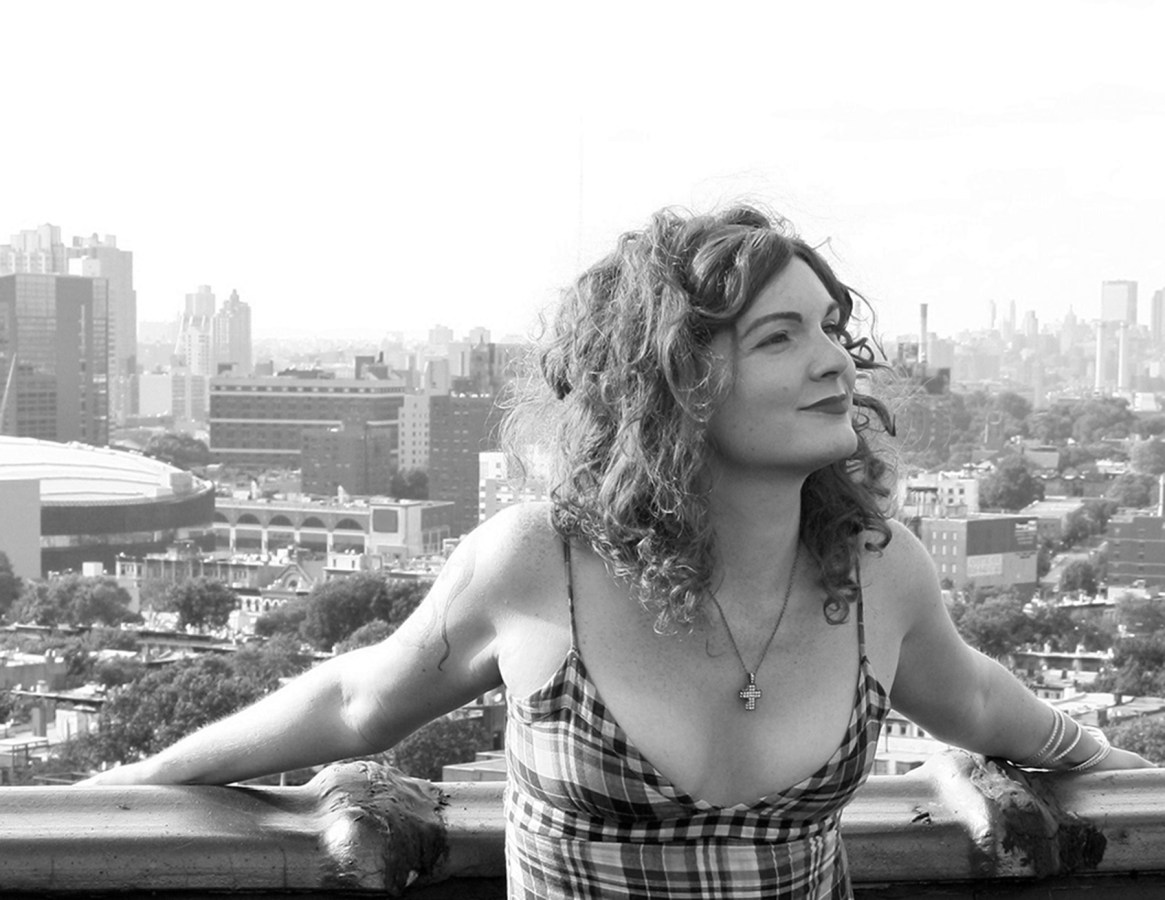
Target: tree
[10,584]
[285,619]
[162,705]
[178,449]
[1089,520]
[1079,575]
[1044,557]
[1143,616]
[366,635]
[1098,418]
[410,484]
[1144,735]
[1131,490]
[202,603]
[74,600]
[111,673]
[1136,668]
[1148,457]
[1011,486]
[335,609]
[1054,625]
[1151,426]
[996,625]
[279,658]
[1074,456]
[443,742]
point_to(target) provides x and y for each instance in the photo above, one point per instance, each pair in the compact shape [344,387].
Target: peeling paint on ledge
[382,828]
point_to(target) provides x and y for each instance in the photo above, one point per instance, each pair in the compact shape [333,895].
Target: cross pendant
[751,693]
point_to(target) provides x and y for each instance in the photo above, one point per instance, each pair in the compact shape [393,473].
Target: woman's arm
[954,691]
[366,700]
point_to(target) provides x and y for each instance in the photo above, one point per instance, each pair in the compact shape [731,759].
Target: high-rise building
[195,344]
[232,337]
[461,426]
[37,251]
[414,432]
[1157,319]
[42,251]
[1118,302]
[201,302]
[194,350]
[983,550]
[362,461]
[1067,337]
[100,257]
[259,421]
[54,357]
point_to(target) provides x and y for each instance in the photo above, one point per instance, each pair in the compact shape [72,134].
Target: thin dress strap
[861,618]
[569,591]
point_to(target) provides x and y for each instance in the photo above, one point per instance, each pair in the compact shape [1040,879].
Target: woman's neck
[757,525]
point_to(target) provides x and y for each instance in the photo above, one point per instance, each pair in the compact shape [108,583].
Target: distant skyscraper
[201,302]
[42,251]
[195,351]
[54,357]
[1118,302]
[195,344]
[1068,332]
[440,335]
[232,337]
[1157,319]
[37,251]
[259,421]
[460,427]
[97,257]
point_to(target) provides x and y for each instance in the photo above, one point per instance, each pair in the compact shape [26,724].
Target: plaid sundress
[587,816]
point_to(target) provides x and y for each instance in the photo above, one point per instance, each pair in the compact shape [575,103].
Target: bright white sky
[357,167]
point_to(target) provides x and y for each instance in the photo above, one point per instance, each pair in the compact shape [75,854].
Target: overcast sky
[358,168]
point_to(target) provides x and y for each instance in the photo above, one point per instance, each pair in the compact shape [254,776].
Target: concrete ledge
[959,826]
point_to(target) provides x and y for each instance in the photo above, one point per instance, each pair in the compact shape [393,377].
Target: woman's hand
[131,773]
[1123,759]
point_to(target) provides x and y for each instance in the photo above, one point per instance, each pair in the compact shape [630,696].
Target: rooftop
[74,474]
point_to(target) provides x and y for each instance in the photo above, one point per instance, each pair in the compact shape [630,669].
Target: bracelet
[1054,738]
[1099,756]
[1063,752]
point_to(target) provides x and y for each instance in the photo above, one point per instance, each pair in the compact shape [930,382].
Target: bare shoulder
[903,572]
[508,557]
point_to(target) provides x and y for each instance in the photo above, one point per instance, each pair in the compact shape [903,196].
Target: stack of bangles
[1065,736]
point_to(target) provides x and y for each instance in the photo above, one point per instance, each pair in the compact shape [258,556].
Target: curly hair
[625,388]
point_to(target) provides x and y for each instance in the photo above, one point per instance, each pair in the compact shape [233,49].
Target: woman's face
[789,404]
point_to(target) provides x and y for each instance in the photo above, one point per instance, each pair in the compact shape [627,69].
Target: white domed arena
[96,503]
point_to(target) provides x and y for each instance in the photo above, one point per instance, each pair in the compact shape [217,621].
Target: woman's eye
[834,329]
[777,337]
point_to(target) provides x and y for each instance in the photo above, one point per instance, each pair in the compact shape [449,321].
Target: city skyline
[424,168]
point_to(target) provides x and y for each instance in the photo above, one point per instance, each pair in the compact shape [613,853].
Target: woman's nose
[832,357]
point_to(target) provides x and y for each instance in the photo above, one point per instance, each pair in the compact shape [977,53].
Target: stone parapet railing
[958,826]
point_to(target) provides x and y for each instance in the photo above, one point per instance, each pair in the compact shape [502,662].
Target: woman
[700,635]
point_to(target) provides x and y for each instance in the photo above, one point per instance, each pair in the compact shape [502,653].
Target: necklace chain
[751,693]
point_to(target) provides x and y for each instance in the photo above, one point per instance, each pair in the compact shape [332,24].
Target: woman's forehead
[795,290]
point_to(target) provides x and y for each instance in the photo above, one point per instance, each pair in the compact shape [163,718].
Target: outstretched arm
[958,694]
[363,701]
